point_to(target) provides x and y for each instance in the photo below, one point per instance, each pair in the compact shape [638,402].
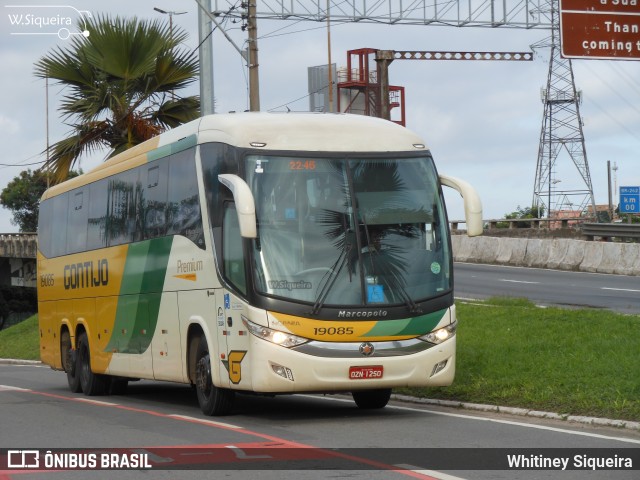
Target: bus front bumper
[275,369]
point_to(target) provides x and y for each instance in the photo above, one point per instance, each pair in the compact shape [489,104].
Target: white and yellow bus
[253,252]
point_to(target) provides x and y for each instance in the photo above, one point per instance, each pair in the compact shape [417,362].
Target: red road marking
[278,442]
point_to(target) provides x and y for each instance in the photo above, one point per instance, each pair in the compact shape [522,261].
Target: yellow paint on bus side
[80,289]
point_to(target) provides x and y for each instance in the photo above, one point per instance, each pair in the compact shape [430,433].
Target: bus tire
[212,400]
[70,362]
[92,383]
[370,399]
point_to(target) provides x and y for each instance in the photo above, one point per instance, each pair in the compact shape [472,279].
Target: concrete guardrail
[557,253]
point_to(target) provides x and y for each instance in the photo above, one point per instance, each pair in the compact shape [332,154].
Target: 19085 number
[333,331]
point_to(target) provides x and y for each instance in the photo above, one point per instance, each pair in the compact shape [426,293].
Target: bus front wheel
[212,400]
[91,383]
[370,399]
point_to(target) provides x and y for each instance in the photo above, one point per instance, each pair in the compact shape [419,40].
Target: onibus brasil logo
[60,20]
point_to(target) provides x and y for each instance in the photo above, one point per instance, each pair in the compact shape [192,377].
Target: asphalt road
[549,287]
[282,437]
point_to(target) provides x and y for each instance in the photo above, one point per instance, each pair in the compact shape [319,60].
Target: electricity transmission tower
[561,136]
[561,133]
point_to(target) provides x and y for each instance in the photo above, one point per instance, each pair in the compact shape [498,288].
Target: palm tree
[120,84]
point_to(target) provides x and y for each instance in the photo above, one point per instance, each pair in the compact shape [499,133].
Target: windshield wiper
[331,279]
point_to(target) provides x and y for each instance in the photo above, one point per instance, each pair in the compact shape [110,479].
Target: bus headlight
[283,339]
[438,336]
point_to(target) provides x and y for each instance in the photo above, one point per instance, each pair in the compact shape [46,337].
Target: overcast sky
[481,120]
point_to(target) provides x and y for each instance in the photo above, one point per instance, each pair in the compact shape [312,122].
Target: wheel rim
[67,358]
[203,375]
[85,368]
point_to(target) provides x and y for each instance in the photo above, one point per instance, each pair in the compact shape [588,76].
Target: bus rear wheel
[370,399]
[212,400]
[69,362]
[92,384]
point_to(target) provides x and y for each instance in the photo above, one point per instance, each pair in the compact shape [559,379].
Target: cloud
[8,126]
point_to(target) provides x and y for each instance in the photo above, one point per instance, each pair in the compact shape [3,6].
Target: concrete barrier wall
[557,253]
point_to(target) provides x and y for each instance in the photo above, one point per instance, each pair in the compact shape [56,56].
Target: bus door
[233,335]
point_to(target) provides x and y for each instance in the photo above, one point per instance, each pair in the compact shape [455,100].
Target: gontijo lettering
[86,274]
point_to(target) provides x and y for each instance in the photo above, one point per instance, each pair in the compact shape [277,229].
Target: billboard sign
[600,29]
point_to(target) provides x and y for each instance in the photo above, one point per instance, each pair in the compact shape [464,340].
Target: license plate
[366,373]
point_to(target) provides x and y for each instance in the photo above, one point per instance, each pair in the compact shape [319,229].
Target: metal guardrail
[581,225]
[611,230]
[514,223]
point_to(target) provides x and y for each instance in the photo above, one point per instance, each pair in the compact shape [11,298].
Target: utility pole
[383,59]
[610,190]
[205,52]
[46,110]
[329,72]
[254,80]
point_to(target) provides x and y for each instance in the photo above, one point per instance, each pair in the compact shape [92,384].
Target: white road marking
[97,402]
[207,422]
[430,473]
[620,289]
[494,420]
[517,281]
[9,388]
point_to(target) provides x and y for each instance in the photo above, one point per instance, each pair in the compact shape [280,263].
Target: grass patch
[21,340]
[579,362]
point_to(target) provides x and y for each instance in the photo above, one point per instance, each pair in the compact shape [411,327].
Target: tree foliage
[121,84]
[22,197]
[16,300]
[520,212]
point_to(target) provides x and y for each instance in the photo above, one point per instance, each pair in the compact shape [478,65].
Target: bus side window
[45,227]
[59,235]
[153,200]
[78,214]
[183,205]
[121,220]
[97,211]
[232,249]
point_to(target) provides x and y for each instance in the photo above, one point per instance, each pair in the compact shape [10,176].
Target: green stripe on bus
[140,294]
[423,324]
[166,150]
[408,326]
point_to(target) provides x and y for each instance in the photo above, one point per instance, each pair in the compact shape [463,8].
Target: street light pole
[171,14]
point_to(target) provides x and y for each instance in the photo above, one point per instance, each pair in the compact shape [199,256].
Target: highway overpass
[18,259]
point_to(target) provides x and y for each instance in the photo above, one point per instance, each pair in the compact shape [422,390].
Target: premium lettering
[190,266]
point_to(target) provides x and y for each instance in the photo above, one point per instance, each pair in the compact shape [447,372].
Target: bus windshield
[350,232]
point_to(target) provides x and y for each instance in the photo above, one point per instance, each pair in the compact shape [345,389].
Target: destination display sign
[600,29]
